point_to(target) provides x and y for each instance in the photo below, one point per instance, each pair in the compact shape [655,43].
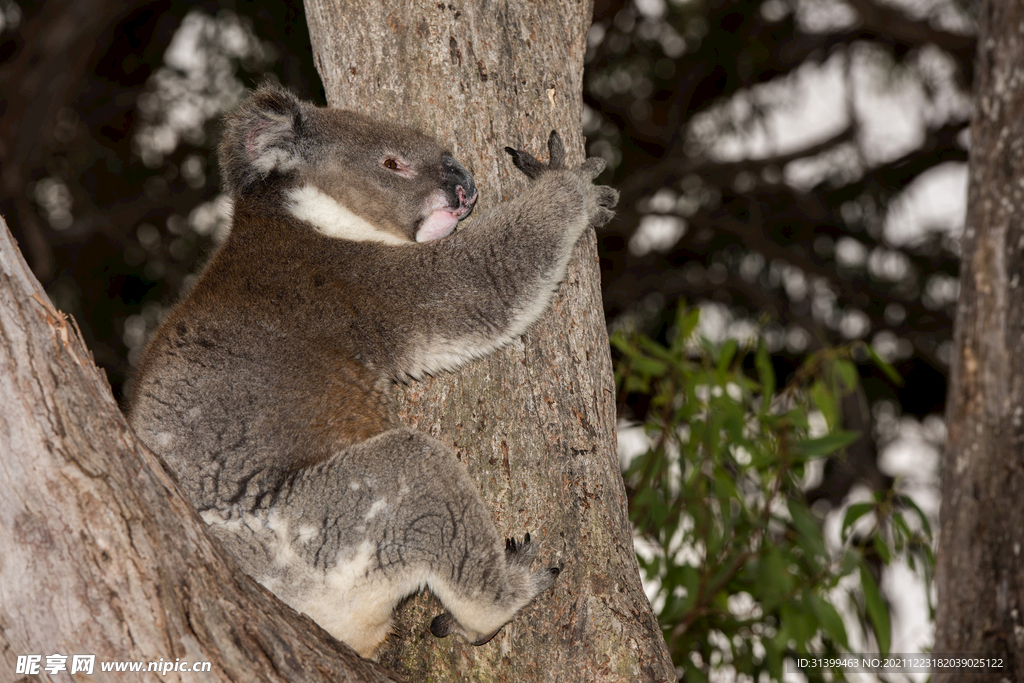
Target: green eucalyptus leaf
[710,497]
[878,611]
[825,445]
[826,402]
[725,356]
[881,548]
[853,513]
[829,619]
[646,365]
[686,323]
[766,375]
[909,502]
[882,365]
[810,531]
[846,372]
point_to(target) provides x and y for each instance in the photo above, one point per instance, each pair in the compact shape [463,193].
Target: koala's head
[352,177]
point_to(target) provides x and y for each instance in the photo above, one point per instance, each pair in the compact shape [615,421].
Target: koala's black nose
[455,177]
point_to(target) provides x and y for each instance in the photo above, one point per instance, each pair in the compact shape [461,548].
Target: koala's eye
[398,166]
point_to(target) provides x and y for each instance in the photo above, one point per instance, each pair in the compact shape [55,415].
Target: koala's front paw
[601,199]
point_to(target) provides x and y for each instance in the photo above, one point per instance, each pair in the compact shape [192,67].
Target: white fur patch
[353,607]
[351,602]
[213,517]
[331,218]
[230,521]
[284,553]
[164,439]
[440,353]
[377,506]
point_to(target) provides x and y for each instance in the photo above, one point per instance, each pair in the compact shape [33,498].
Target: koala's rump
[231,406]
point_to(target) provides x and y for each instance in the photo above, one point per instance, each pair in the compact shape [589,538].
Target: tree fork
[101,554]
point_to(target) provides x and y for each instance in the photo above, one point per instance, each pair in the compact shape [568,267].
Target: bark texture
[980,572]
[534,423]
[99,552]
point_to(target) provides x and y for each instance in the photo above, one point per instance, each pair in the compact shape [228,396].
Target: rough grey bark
[99,552]
[980,574]
[535,422]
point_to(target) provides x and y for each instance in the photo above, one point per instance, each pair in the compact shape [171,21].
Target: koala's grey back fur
[268,389]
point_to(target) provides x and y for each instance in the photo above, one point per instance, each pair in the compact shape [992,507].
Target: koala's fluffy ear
[260,138]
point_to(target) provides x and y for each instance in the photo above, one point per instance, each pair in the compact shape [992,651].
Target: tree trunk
[980,574]
[99,552]
[534,423]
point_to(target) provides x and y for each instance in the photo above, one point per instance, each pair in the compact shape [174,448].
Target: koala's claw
[528,164]
[593,166]
[556,151]
[520,552]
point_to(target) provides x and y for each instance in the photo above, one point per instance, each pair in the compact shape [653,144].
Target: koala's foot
[484,616]
[521,554]
[443,625]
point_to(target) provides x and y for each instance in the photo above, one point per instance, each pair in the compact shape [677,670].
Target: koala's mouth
[442,220]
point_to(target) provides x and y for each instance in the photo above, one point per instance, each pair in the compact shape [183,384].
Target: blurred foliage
[775,157]
[745,572]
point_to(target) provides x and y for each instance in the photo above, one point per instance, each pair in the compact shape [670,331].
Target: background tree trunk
[99,552]
[980,574]
[534,423]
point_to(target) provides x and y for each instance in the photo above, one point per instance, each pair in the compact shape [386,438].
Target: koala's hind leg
[395,513]
[480,618]
[482,580]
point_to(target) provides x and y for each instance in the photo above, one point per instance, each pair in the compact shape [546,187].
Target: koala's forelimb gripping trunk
[532,234]
[268,389]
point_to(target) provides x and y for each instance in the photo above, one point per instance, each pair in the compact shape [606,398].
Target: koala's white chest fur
[267,390]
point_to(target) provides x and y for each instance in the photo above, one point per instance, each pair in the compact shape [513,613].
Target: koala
[268,390]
